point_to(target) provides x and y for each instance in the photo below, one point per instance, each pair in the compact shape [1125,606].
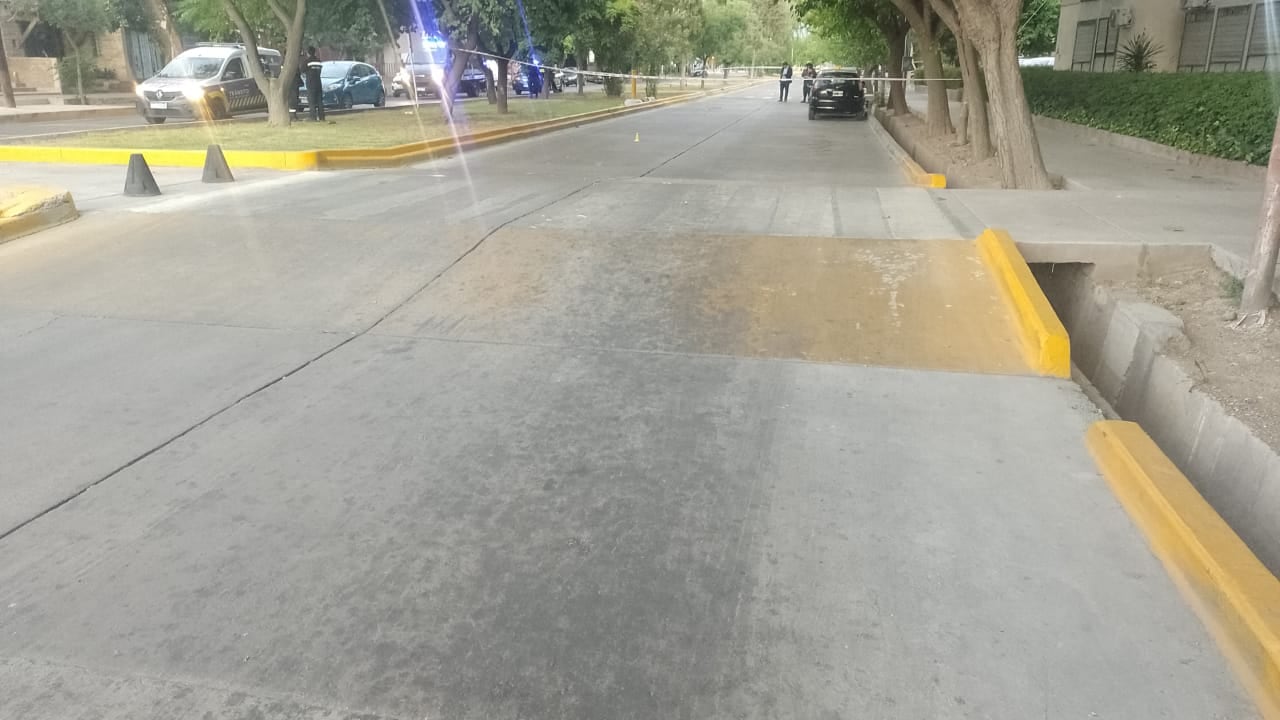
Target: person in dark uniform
[808,74]
[315,93]
[535,81]
[784,83]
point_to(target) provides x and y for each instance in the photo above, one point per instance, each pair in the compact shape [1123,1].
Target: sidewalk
[35,113]
[1120,196]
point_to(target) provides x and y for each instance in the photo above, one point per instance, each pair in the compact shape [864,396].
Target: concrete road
[578,427]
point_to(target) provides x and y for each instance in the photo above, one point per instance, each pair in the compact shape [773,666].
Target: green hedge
[1228,115]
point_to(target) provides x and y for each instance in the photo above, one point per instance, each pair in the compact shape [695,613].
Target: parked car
[345,83]
[837,92]
[569,76]
[210,81]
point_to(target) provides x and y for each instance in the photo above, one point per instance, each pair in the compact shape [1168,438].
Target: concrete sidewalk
[1119,196]
[38,113]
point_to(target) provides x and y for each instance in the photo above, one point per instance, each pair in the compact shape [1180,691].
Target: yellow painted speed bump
[1044,339]
[27,209]
[1234,594]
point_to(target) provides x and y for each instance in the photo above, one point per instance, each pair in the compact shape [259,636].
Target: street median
[337,158]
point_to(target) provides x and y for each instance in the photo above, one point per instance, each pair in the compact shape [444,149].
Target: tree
[6,80]
[1038,27]
[975,126]
[992,27]
[1261,272]
[77,21]
[927,28]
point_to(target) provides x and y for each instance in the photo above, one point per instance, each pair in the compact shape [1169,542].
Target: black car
[838,92]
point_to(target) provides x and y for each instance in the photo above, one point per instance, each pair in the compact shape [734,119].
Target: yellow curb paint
[27,210]
[1044,339]
[323,159]
[921,178]
[1233,593]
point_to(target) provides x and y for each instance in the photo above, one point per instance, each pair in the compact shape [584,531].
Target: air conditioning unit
[1194,4]
[1122,17]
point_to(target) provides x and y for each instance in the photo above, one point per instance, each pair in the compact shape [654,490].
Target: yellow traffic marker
[637,137]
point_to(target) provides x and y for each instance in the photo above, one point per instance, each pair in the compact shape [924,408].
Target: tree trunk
[938,113]
[1261,273]
[6,80]
[548,79]
[75,51]
[582,81]
[503,83]
[1021,164]
[897,43]
[991,26]
[975,100]
[490,92]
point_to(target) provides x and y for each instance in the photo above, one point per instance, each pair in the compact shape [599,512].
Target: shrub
[1227,115]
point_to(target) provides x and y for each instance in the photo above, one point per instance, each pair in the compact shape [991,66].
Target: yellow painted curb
[29,209]
[1044,339]
[327,159]
[920,178]
[1234,594]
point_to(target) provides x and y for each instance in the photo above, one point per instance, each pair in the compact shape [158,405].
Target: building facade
[1194,35]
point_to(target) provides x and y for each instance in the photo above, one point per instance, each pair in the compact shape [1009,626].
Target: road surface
[696,413]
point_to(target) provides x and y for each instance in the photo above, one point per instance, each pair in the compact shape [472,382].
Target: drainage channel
[1127,350]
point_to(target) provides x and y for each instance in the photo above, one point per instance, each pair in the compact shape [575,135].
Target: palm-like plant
[1139,53]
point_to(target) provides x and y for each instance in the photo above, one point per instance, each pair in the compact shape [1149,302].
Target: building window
[1104,46]
[1082,51]
[1197,30]
[1264,50]
[1229,35]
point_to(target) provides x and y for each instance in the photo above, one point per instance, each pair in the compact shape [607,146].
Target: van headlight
[193,92]
[137,90]
[437,74]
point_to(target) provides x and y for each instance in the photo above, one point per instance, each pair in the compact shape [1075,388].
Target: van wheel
[813,115]
[381,100]
[218,110]
[472,91]
[346,102]
[154,120]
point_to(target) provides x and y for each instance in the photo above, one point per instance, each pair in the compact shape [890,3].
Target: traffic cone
[140,182]
[216,169]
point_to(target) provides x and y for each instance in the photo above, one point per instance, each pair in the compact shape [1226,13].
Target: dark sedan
[838,92]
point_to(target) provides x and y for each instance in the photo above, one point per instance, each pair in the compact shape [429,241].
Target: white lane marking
[235,190]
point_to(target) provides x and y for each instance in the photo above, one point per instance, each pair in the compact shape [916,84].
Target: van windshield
[431,56]
[191,67]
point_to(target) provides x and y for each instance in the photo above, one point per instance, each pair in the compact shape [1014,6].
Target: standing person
[534,75]
[315,93]
[784,83]
[808,74]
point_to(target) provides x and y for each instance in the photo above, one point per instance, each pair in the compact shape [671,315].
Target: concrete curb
[295,160]
[1044,339]
[917,175]
[43,115]
[1235,596]
[28,210]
